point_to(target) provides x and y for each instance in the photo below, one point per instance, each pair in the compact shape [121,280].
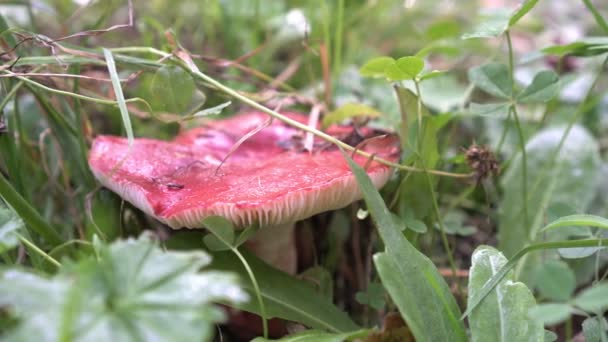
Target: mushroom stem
[276,245]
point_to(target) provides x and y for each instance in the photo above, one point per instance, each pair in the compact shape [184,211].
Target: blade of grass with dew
[120,98]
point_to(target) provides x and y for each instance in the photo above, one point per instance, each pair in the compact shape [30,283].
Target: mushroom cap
[269,179]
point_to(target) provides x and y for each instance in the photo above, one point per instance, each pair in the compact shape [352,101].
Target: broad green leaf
[320,336]
[172,88]
[578,220]
[442,92]
[414,192]
[221,228]
[285,296]
[405,68]
[491,24]
[555,280]
[543,88]
[550,314]
[132,290]
[523,9]
[574,174]
[348,111]
[594,328]
[492,78]
[376,66]
[498,110]
[593,299]
[10,225]
[502,315]
[414,283]
[372,296]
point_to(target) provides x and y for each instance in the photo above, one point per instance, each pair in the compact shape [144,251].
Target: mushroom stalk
[276,245]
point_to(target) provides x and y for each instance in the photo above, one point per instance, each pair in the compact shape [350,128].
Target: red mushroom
[268,180]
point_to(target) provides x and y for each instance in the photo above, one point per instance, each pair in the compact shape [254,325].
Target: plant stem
[256,288]
[601,22]
[444,238]
[524,166]
[337,58]
[39,251]
[522,140]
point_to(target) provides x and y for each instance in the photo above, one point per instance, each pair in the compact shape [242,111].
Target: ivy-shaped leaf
[493,78]
[542,89]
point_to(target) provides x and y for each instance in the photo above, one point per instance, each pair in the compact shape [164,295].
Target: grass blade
[120,98]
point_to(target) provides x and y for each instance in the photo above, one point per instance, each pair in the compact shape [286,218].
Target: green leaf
[348,111]
[555,280]
[245,235]
[285,296]
[502,315]
[443,29]
[214,244]
[492,78]
[578,220]
[173,88]
[414,224]
[584,47]
[132,290]
[550,336]
[27,213]
[10,225]
[405,68]
[574,174]
[491,24]
[504,271]
[376,67]
[221,228]
[550,314]
[593,299]
[419,291]
[594,329]
[320,336]
[431,74]
[500,110]
[543,88]
[372,296]
[454,223]
[523,9]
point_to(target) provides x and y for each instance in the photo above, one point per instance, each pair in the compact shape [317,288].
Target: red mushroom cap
[268,179]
